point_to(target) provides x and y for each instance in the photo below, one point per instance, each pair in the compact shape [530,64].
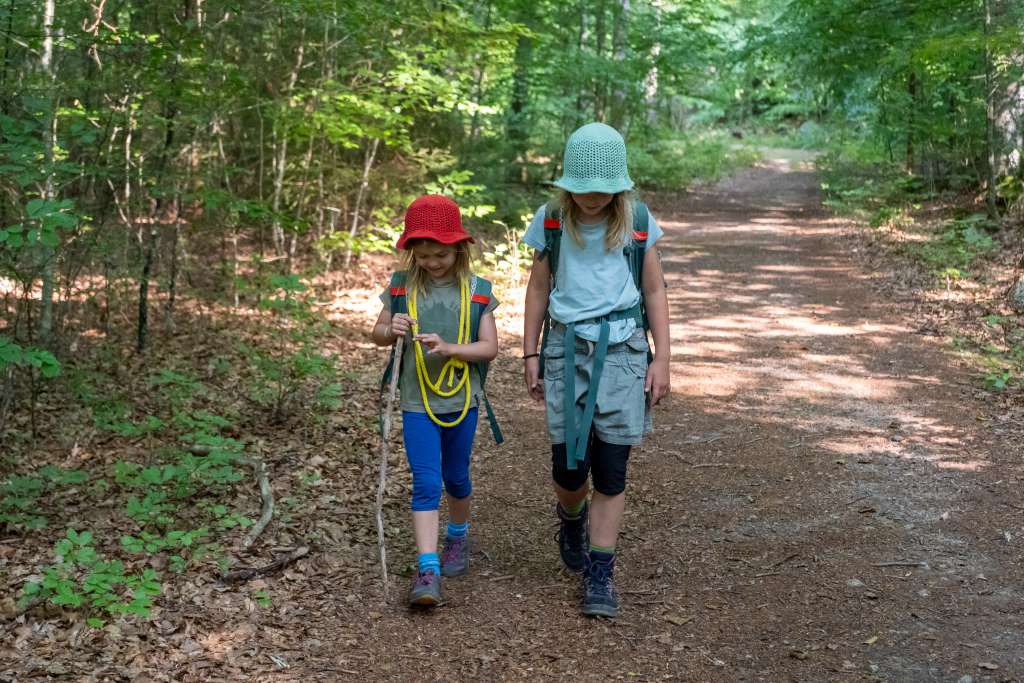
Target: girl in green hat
[596,287]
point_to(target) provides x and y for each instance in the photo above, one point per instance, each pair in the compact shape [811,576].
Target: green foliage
[82,578]
[289,369]
[672,162]
[14,355]
[951,253]
[20,495]
[507,262]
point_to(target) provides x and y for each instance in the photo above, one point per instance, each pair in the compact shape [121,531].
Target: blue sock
[430,562]
[457,530]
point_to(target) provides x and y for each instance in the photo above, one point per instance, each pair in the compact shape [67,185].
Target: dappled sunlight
[965,466]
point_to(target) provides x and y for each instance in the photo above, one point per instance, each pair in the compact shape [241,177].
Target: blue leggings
[438,453]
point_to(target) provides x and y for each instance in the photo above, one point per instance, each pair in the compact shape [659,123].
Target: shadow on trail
[815,504]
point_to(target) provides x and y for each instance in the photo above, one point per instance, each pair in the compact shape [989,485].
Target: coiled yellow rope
[450,368]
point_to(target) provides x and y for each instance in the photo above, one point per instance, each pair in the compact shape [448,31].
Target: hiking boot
[455,556]
[572,539]
[426,590]
[599,598]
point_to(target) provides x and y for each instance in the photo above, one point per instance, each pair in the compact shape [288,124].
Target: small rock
[855,583]
[966,679]
[896,437]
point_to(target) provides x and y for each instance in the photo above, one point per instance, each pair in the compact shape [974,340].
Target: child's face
[592,205]
[435,258]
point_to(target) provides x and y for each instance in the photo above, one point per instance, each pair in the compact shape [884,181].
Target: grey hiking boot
[599,598]
[455,556]
[426,590]
[572,538]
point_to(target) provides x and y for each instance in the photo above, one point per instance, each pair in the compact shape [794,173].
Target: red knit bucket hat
[433,217]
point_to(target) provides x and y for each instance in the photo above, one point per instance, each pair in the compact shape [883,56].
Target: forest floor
[828,495]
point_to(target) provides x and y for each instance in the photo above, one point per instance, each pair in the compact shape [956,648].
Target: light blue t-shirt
[591,282]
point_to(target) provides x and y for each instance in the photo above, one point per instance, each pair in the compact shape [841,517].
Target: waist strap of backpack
[576,440]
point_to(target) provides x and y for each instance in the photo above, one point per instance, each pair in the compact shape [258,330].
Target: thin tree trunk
[46,253]
[912,92]
[990,119]
[581,41]
[620,41]
[281,147]
[371,153]
[172,278]
[600,82]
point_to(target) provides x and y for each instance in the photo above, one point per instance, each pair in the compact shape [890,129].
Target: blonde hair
[620,219]
[416,278]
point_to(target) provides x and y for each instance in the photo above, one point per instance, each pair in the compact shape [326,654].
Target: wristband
[530,355]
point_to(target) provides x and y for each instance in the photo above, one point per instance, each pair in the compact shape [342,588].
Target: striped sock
[601,553]
[430,562]
[574,510]
[457,530]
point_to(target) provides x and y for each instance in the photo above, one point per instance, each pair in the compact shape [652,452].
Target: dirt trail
[817,502]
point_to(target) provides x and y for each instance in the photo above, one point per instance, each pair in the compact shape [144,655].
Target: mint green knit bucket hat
[595,161]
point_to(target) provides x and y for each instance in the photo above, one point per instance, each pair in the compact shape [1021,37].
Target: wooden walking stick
[385,432]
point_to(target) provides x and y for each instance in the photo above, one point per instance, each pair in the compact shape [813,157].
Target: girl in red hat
[445,312]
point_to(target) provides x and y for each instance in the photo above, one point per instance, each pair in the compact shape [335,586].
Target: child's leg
[607,505]
[571,488]
[423,449]
[456,451]
[609,500]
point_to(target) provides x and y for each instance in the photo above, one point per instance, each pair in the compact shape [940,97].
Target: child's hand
[658,381]
[534,385]
[435,344]
[400,325]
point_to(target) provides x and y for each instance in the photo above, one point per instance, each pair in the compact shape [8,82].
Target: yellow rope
[451,367]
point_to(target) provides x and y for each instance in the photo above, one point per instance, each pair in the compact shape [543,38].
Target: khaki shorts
[622,415]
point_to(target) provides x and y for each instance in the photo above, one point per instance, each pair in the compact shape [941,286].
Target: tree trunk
[46,254]
[281,146]
[652,80]
[620,42]
[517,121]
[912,92]
[991,143]
[581,41]
[601,82]
[371,153]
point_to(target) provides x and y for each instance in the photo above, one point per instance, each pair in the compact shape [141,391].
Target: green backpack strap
[636,250]
[481,298]
[552,235]
[399,304]
[552,248]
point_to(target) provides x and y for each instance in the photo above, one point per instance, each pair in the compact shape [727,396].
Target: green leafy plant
[14,355]
[954,249]
[291,368]
[82,578]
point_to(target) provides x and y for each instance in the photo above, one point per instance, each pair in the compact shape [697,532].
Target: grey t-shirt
[590,281]
[438,311]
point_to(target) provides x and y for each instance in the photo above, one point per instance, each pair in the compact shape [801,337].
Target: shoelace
[453,549]
[575,539]
[425,579]
[596,577]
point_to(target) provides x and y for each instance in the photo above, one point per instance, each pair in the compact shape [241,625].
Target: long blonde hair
[620,219]
[418,279]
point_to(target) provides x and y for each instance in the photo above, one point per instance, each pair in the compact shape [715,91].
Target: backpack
[480,297]
[634,252]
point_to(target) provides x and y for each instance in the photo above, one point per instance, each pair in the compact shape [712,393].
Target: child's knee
[570,480]
[609,463]
[459,488]
[426,495]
